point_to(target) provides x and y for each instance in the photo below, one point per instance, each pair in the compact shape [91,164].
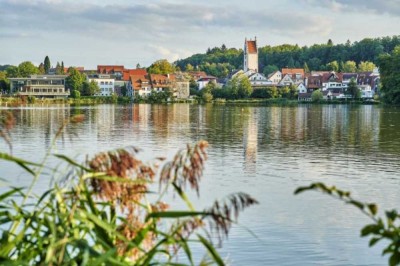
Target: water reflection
[265,151]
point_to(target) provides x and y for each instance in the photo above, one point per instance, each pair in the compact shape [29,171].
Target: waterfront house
[286,81]
[296,74]
[202,82]
[259,80]
[105,82]
[275,77]
[138,85]
[48,86]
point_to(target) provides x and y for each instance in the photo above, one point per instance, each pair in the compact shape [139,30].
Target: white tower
[250,61]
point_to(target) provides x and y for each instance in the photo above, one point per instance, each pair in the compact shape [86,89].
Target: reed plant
[103,211]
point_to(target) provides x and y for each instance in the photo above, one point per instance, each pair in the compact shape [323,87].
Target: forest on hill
[347,57]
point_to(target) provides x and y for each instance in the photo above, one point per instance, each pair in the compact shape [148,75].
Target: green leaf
[358,204]
[9,193]
[394,259]
[370,229]
[175,214]
[374,240]
[373,208]
[72,162]
[211,250]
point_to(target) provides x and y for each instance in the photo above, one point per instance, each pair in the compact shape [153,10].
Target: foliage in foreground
[381,228]
[103,212]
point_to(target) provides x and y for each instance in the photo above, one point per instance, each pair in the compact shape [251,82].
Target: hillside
[220,61]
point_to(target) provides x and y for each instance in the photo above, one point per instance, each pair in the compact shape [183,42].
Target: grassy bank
[127,100]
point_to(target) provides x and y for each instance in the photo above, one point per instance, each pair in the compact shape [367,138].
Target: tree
[138,66]
[12,72]
[333,66]
[389,65]
[47,64]
[161,67]
[317,96]
[349,67]
[189,67]
[207,97]
[25,69]
[352,89]
[90,88]
[58,69]
[269,69]
[244,87]
[306,68]
[62,67]
[366,66]
[4,82]
[41,69]
[75,80]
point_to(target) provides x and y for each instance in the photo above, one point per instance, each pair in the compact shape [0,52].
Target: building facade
[250,61]
[105,82]
[47,86]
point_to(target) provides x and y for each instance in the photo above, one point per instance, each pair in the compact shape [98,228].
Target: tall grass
[101,213]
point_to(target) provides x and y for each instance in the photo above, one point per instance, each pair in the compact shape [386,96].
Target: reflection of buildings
[250,142]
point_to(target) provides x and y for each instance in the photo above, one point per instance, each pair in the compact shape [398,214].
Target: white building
[202,82]
[258,79]
[275,77]
[105,82]
[250,54]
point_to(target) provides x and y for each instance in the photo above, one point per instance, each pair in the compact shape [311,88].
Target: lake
[265,151]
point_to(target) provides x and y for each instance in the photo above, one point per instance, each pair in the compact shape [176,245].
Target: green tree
[333,66]
[62,67]
[41,69]
[4,82]
[352,89]
[75,80]
[12,72]
[59,69]
[161,67]
[349,67]
[25,69]
[189,67]
[244,87]
[317,96]
[306,68]
[389,65]
[366,66]
[75,94]
[207,97]
[284,92]
[47,64]
[90,88]
[269,69]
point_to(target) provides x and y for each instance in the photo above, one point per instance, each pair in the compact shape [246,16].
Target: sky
[127,32]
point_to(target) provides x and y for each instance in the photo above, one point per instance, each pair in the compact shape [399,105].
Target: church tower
[250,53]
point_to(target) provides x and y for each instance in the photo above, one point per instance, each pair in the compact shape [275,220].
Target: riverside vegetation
[103,212]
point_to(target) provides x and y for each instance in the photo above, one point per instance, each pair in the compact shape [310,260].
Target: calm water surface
[264,151]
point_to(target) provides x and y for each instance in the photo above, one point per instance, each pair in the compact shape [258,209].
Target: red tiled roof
[138,80]
[251,47]
[109,69]
[292,71]
[129,72]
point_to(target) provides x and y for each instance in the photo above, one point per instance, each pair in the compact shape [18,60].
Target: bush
[207,97]
[317,96]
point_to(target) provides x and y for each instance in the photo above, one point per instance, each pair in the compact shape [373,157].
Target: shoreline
[126,100]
